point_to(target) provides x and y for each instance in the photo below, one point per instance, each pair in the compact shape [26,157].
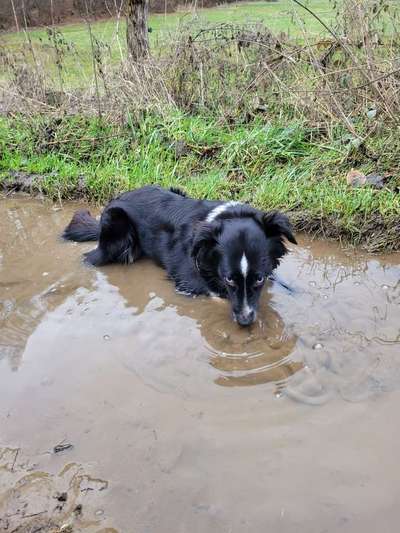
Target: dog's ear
[277,224]
[206,237]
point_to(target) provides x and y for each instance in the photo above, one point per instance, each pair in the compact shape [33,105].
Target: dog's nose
[247,319]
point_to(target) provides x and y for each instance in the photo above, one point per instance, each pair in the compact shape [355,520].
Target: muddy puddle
[180,421]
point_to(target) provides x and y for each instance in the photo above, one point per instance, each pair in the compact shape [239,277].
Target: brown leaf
[355,178]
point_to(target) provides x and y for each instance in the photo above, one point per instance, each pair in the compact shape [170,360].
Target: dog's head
[237,252]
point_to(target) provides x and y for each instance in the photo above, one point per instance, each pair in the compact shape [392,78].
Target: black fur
[201,255]
[176,190]
[83,227]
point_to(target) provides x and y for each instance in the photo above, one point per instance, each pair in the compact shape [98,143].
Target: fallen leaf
[355,178]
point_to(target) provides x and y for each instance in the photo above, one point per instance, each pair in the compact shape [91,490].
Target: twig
[33,514]
[15,15]
[356,88]
[350,53]
[15,458]
[28,98]
[11,191]
[117,25]
[339,107]
[61,447]
[28,38]
[87,20]
[319,20]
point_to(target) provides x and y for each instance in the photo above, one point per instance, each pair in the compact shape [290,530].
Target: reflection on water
[36,273]
[205,331]
[256,356]
[347,320]
[338,332]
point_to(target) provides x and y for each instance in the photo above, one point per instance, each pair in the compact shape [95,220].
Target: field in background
[278,16]
[281,16]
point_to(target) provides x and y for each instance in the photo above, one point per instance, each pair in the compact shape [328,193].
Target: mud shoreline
[376,237]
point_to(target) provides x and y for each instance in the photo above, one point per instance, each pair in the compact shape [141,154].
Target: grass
[229,113]
[281,16]
[278,16]
[270,165]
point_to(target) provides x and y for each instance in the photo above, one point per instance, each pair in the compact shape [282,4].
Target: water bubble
[312,283]
[325,297]
[45,274]
[385,287]
[106,337]
[317,346]
[99,512]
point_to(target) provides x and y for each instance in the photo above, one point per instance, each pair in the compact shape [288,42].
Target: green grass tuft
[270,165]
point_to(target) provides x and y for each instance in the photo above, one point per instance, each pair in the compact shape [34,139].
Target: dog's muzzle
[245,319]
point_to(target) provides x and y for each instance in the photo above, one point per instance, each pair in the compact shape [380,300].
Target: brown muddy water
[180,421]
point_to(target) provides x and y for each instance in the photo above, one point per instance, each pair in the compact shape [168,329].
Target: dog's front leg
[189,282]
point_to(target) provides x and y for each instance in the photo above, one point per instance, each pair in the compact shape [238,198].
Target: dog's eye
[230,281]
[259,281]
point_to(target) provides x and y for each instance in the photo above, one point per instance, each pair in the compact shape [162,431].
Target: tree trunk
[136,29]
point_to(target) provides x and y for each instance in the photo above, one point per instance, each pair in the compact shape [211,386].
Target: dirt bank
[376,236]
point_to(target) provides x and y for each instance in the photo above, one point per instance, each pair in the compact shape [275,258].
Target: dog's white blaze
[244,268]
[212,215]
[244,265]
[246,310]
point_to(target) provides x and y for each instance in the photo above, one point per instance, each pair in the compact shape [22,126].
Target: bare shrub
[349,76]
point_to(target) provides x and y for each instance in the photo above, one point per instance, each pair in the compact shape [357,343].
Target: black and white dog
[226,249]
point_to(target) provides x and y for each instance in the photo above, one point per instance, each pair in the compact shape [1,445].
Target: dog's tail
[178,191]
[83,227]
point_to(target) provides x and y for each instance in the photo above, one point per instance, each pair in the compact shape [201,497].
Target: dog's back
[144,222]
[153,208]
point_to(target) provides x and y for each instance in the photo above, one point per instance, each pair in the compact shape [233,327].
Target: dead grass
[235,72]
